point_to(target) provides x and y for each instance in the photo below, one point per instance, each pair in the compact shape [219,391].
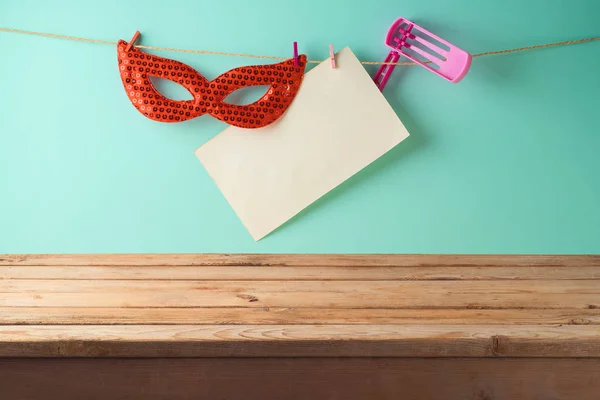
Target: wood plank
[382,260]
[300,341]
[291,316]
[300,379]
[261,273]
[326,294]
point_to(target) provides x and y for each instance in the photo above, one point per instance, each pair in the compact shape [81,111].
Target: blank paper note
[338,124]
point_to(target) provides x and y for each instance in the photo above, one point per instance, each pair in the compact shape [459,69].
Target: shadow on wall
[417,140]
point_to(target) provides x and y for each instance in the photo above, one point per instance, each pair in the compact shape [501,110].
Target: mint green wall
[507,161]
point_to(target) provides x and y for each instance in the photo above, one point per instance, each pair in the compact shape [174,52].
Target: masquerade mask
[136,68]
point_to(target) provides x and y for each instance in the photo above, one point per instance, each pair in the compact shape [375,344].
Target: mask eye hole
[247,95]
[170,89]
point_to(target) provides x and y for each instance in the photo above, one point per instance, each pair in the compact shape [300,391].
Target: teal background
[507,161]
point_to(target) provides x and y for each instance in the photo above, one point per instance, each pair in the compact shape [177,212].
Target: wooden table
[299,327]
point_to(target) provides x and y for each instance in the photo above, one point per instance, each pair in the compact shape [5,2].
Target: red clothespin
[132,41]
[296,62]
[332,56]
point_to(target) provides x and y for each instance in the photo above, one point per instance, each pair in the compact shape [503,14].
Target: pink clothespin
[332,56]
[296,63]
[132,41]
[407,39]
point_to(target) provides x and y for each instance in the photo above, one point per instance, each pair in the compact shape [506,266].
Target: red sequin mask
[136,68]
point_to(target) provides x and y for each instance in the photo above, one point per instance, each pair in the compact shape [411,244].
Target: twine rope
[220,53]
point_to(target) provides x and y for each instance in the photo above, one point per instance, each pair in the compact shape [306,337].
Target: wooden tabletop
[299,306]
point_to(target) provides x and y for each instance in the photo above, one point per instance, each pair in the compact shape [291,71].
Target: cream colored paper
[338,124]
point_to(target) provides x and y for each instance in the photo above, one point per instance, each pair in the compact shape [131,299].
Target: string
[220,53]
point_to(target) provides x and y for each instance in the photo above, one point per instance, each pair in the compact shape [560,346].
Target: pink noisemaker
[407,39]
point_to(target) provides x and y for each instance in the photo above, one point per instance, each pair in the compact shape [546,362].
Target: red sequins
[136,68]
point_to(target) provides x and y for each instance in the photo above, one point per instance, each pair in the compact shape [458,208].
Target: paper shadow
[395,156]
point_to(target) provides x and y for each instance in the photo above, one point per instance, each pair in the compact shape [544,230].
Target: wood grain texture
[291,316]
[382,260]
[300,341]
[329,294]
[300,379]
[293,273]
[221,305]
